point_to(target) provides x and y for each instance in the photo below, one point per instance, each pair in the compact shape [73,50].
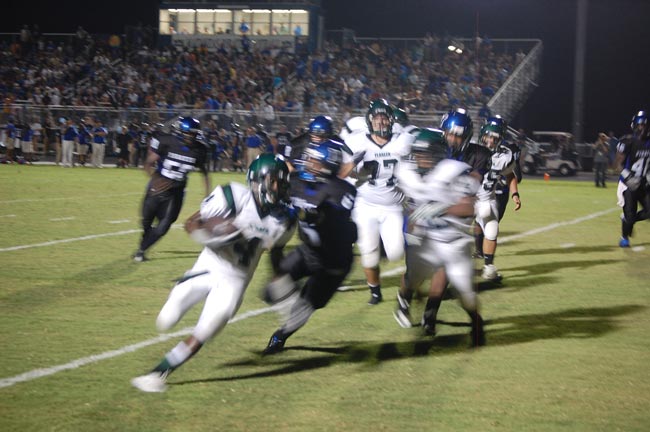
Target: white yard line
[62,219]
[119,221]
[8,216]
[68,240]
[39,373]
[76,198]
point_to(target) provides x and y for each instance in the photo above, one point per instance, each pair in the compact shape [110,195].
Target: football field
[567,329]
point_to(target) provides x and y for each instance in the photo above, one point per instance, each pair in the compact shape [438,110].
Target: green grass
[567,330]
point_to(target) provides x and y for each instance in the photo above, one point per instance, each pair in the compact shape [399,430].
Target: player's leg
[193,288]
[316,293]
[418,268]
[460,270]
[487,219]
[630,204]
[366,219]
[166,212]
[644,200]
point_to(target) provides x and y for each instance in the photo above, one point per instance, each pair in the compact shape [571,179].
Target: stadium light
[451,47]
[459,51]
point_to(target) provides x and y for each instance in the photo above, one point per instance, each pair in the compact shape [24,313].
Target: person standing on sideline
[70,137]
[254,145]
[99,144]
[123,139]
[601,152]
[171,159]
[235,224]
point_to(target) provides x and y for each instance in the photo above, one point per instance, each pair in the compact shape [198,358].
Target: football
[219,226]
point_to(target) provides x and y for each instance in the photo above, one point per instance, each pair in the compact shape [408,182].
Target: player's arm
[150,162]
[463,208]
[514,190]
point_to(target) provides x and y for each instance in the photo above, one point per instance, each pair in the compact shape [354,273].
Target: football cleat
[139,256]
[624,242]
[490,272]
[276,345]
[429,327]
[402,314]
[154,382]
[375,299]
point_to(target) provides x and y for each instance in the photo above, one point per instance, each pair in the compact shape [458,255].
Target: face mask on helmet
[320,129]
[268,179]
[380,119]
[639,123]
[186,128]
[428,149]
[458,129]
[320,162]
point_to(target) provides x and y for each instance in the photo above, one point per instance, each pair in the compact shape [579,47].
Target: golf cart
[550,151]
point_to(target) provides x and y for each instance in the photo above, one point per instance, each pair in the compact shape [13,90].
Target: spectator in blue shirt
[70,136]
[99,144]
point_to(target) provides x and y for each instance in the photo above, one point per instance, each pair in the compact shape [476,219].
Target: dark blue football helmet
[320,161]
[321,128]
[639,123]
[457,123]
[186,127]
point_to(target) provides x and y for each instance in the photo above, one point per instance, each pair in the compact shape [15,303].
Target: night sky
[617,58]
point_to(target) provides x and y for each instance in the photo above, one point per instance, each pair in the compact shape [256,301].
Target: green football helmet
[268,179]
[380,107]
[428,149]
[495,127]
[400,116]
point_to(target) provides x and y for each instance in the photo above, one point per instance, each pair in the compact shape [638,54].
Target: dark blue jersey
[325,223]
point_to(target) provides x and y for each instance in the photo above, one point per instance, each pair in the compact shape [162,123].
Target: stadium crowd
[81,72]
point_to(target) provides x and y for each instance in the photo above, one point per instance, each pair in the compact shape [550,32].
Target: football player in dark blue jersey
[324,204]
[169,162]
[633,159]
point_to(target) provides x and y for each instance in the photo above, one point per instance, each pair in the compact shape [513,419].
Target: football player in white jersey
[440,198]
[378,209]
[492,136]
[235,224]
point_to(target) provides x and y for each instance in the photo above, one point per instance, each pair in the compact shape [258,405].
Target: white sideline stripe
[62,219]
[119,221]
[74,239]
[26,200]
[69,240]
[557,225]
[38,373]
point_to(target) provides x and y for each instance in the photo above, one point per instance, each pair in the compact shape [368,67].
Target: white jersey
[446,185]
[242,256]
[353,126]
[503,163]
[381,161]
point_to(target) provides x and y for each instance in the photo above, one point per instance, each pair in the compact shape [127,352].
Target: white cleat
[153,382]
[490,272]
